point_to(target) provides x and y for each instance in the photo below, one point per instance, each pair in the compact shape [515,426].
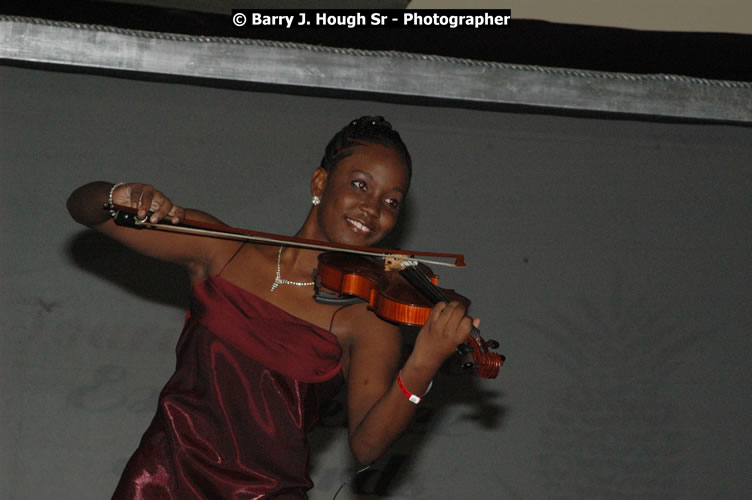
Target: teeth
[359,226]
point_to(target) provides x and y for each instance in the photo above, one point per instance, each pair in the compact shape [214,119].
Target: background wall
[609,257]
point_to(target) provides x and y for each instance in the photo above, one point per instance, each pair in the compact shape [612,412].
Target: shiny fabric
[232,421]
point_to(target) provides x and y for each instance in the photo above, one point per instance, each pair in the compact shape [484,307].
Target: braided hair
[365,130]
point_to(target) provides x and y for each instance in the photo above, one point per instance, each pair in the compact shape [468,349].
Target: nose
[370,206]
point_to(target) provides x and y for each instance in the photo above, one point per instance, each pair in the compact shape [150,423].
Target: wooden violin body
[387,293]
[405,297]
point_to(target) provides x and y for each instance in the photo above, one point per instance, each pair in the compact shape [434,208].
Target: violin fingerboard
[423,284]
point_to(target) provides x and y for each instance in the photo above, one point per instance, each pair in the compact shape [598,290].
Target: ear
[318,181]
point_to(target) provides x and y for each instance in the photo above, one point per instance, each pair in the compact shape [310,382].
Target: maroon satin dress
[232,420]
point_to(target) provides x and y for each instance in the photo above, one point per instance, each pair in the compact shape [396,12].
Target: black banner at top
[451,19]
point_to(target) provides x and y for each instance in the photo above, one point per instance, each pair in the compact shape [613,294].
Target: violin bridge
[396,262]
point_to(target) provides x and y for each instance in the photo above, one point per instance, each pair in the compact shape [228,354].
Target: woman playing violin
[258,355]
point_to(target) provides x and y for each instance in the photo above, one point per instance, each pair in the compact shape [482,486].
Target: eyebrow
[370,176]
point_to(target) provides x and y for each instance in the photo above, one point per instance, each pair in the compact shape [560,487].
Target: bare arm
[378,410]
[86,204]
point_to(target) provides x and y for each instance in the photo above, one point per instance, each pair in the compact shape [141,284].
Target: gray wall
[609,257]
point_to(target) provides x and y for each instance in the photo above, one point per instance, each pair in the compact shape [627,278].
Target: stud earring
[315,200]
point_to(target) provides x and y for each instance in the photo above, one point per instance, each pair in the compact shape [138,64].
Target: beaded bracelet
[412,397]
[110,203]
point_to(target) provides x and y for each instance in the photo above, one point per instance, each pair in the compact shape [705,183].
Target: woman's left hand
[447,327]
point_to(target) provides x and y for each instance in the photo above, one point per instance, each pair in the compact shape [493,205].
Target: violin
[397,284]
[401,291]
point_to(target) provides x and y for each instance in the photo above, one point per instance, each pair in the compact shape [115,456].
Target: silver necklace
[278,280]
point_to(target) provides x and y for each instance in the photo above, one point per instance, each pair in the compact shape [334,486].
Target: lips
[358,226]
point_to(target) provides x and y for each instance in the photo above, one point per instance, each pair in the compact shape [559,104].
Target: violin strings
[420,281]
[423,283]
[428,284]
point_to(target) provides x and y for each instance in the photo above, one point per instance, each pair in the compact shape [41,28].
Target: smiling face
[361,197]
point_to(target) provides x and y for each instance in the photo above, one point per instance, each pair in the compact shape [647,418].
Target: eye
[361,185]
[393,203]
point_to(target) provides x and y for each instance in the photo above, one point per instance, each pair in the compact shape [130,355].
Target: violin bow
[127,216]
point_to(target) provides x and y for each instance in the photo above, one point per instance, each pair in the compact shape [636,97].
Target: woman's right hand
[86,206]
[145,198]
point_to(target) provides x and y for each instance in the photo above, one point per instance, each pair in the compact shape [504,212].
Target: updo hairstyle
[365,130]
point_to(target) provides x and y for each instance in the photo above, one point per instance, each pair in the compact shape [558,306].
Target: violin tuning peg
[491,343]
[464,350]
[467,366]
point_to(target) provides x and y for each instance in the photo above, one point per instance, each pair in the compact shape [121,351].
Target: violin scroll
[475,354]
